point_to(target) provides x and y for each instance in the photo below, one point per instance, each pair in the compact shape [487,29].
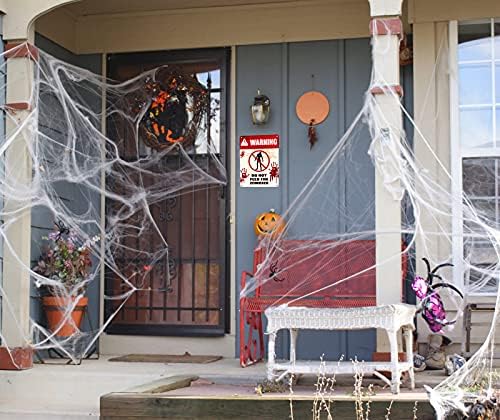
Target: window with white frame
[478,54]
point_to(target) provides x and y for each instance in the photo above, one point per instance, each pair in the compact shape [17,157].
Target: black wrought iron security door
[186,291]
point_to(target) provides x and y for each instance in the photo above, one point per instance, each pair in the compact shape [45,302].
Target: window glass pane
[474,42]
[484,215]
[481,280]
[478,177]
[475,84]
[482,256]
[486,210]
[477,96]
[476,126]
[480,253]
[497,83]
[497,112]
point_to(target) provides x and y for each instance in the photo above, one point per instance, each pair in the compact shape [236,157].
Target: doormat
[165,358]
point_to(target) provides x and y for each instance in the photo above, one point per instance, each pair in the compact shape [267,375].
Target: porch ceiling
[110,26]
[98,7]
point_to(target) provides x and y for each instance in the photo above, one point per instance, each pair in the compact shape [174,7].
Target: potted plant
[65,266]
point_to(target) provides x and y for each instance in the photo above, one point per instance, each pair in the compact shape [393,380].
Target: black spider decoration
[432,306]
[62,229]
[273,269]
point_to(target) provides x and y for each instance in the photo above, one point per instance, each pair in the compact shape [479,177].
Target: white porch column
[17,210]
[386,29]
[18,28]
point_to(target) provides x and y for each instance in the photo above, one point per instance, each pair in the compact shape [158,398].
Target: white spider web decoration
[67,150]
[66,147]
[327,248]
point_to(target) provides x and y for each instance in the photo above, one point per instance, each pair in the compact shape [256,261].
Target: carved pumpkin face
[269,223]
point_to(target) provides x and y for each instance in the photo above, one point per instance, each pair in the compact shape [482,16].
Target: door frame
[223,57]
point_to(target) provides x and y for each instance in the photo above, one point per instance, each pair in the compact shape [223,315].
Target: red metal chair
[310,275]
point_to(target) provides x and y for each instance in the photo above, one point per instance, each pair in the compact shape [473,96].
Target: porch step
[121,407]
[46,416]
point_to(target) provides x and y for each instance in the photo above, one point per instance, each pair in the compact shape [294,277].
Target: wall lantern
[260,109]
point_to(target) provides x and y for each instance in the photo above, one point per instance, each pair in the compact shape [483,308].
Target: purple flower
[66,259]
[53,236]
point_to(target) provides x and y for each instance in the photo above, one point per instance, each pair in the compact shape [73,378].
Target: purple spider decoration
[431,304]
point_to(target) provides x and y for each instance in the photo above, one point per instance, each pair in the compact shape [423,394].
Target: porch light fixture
[260,109]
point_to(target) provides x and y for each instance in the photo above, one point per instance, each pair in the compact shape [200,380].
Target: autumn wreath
[176,111]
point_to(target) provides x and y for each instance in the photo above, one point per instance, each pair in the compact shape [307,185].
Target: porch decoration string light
[327,246]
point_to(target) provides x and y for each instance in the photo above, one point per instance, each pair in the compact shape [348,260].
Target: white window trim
[456,166]
[457,154]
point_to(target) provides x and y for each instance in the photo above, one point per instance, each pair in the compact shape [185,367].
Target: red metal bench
[305,273]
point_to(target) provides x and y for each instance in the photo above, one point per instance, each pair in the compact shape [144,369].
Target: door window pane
[214,75]
[211,133]
[213,127]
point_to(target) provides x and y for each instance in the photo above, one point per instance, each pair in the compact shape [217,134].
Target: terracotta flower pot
[55,308]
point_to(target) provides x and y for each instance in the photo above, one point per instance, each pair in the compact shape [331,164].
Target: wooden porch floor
[222,396]
[59,391]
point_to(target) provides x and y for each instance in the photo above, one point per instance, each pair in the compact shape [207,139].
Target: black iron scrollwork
[167,215]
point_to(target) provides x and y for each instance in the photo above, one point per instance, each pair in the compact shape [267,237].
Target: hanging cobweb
[116,149]
[326,254]
[327,249]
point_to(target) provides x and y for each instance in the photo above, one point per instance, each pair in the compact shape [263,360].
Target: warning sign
[259,160]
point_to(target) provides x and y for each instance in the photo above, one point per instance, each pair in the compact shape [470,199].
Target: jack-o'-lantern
[269,223]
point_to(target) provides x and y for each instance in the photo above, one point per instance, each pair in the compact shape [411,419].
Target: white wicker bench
[391,318]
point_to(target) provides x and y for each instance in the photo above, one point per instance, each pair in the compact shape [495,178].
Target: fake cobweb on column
[333,214]
[325,254]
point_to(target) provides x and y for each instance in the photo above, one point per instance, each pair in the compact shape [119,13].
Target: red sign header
[260,141]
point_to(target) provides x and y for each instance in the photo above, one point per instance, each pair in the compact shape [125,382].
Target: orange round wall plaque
[312,107]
